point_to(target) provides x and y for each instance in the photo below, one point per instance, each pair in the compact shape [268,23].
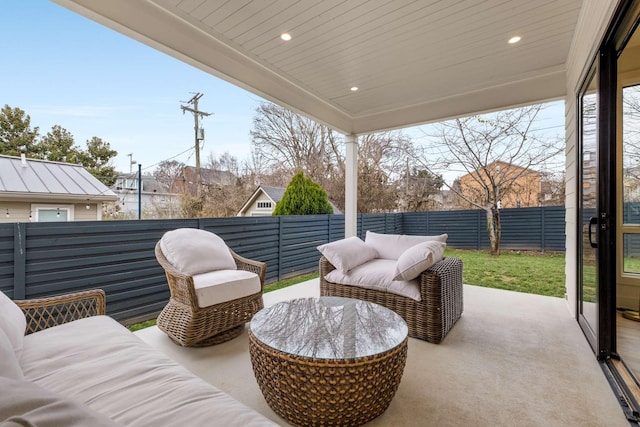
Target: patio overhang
[413,62]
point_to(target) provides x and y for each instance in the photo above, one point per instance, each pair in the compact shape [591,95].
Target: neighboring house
[523,191]
[263,202]
[186,183]
[155,200]
[40,190]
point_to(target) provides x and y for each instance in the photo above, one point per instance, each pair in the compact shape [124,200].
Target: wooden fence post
[19,260]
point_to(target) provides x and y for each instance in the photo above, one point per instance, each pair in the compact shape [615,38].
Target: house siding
[592,24]
[20,211]
[523,191]
[253,210]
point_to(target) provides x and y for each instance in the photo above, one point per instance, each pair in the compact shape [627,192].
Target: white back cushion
[12,323]
[9,366]
[347,253]
[391,246]
[418,258]
[194,251]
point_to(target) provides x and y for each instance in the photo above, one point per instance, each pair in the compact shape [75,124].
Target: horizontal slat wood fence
[43,259]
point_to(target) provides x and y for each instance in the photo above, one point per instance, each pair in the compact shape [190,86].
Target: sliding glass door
[588,209]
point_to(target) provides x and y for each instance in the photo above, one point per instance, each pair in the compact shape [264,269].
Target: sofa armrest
[446,274]
[43,313]
[441,289]
[325,267]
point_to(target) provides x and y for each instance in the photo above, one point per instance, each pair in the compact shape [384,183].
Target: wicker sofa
[429,317]
[77,367]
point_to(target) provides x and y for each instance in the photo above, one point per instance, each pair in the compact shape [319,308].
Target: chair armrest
[258,267]
[43,313]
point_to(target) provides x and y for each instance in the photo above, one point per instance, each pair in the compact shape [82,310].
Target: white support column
[351,187]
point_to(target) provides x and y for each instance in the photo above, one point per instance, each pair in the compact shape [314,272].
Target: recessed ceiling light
[285,36]
[514,39]
[354,88]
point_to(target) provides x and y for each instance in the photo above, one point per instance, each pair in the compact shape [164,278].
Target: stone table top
[329,328]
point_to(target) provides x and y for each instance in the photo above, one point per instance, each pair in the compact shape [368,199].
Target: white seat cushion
[28,404]
[391,246]
[194,251]
[377,274]
[224,285]
[99,362]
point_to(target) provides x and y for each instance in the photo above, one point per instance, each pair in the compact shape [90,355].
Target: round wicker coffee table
[328,361]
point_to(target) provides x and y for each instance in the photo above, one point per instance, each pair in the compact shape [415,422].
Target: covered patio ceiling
[413,61]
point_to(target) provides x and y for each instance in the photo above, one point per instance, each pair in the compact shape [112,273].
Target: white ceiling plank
[224,12]
[207,8]
[188,5]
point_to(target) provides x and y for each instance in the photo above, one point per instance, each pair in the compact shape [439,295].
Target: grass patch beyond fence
[520,271]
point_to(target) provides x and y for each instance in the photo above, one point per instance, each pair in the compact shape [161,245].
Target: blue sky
[64,69]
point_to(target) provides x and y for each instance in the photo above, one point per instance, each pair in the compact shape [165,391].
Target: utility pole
[199,132]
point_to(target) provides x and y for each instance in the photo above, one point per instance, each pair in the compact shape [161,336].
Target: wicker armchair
[188,324]
[429,319]
[43,313]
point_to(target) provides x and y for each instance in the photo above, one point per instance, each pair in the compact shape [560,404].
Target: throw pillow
[193,251]
[347,253]
[12,323]
[417,259]
[391,246]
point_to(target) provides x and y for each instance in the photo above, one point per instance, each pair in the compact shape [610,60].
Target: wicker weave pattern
[429,319]
[43,313]
[321,392]
[192,326]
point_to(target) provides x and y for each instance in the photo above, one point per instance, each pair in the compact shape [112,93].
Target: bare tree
[169,173]
[284,142]
[381,165]
[224,189]
[497,153]
[283,139]
[419,188]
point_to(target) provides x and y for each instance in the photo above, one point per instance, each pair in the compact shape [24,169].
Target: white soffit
[414,61]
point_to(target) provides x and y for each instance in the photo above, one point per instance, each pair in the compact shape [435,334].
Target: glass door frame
[589,325]
[601,337]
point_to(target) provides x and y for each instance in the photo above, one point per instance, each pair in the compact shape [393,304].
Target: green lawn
[521,271]
[530,272]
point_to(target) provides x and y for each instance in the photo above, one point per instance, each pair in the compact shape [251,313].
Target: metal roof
[30,178]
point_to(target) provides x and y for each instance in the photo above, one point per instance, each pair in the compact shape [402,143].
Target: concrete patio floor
[512,359]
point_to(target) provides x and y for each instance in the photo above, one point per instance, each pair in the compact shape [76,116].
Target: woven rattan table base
[322,392]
